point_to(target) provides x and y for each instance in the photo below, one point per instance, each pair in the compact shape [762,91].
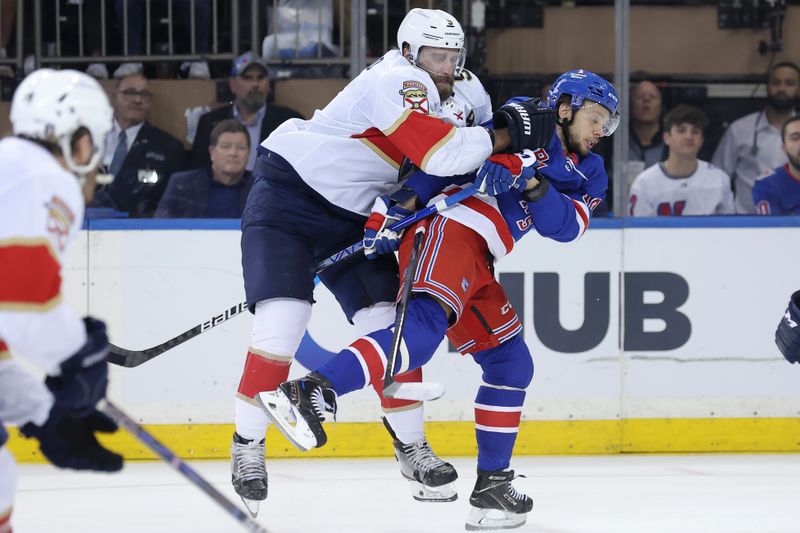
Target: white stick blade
[420,392]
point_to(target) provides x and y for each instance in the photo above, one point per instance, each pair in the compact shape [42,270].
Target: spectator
[752,145]
[646,141]
[218,190]
[140,156]
[183,10]
[779,193]
[249,83]
[683,184]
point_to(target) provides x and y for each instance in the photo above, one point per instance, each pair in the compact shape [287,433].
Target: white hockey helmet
[431,27]
[51,105]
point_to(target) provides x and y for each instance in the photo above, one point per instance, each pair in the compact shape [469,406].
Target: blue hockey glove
[69,441]
[84,376]
[787,336]
[500,173]
[378,239]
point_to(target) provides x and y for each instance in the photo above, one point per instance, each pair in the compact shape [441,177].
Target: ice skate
[248,472]
[495,503]
[432,480]
[298,409]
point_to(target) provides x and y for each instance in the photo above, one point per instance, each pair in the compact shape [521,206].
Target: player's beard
[574,142]
[444,85]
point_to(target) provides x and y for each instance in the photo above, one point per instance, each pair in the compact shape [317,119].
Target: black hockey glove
[69,442]
[84,376]
[787,336]
[529,124]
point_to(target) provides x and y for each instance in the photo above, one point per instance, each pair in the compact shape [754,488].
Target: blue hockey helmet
[584,85]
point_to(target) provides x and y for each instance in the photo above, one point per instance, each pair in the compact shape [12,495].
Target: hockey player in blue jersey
[455,294]
[315,182]
[779,193]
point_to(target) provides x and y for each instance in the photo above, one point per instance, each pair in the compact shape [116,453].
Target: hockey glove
[84,376]
[787,336]
[69,442]
[500,173]
[529,125]
[378,239]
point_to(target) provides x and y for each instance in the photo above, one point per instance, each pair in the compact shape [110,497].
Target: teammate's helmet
[431,27]
[584,85]
[51,105]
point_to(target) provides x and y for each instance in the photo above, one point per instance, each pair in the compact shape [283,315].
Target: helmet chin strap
[564,124]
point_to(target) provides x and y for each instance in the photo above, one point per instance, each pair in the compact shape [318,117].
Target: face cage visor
[442,62]
[609,125]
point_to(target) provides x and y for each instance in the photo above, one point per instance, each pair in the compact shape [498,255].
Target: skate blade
[252,506]
[487,519]
[287,419]
[443,493]
[420,392]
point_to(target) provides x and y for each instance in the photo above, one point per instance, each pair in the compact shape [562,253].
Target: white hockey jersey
[469,105]
[706,192]
[350,151]
[41,210]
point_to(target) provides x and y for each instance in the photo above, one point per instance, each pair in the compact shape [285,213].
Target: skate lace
[421,456]
[508,488]
[250,460]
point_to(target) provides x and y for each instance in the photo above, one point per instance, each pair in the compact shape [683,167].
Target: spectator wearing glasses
[140,156]
[218,190]
[249,83]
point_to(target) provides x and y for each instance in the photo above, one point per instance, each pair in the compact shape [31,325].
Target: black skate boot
[248,472]
[309,398]
[431,478]
[495,503]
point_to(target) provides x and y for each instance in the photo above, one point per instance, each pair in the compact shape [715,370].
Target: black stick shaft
[178,464]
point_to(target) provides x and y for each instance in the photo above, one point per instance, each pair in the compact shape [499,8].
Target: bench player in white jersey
[316,181]
[682,184]
[455,293]
[60,119]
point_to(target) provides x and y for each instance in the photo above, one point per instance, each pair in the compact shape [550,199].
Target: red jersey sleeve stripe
[583,216]
[419,136]
[375,140]
[30,275]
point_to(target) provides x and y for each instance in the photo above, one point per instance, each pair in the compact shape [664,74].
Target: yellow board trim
[370,439]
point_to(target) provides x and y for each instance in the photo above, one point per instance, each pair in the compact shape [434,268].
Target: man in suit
[140,156]
[218,190]
[249,83]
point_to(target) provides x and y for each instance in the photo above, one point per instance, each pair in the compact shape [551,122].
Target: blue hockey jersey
[778,193]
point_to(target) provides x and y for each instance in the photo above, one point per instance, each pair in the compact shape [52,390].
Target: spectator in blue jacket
[218,190]
[779,193]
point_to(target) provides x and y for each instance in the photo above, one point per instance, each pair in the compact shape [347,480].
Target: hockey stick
[395,389]
[188,472]
[132,358]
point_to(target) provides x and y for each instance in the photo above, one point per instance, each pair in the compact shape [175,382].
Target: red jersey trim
[375,140]
[30,275]
[419,136]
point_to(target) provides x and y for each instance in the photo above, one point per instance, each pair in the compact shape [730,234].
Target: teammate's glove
[84,376]
[787,336]
[500,173]
[529,125]
[69,442]
[378,239]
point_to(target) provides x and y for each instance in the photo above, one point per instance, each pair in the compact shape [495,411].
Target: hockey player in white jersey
[683,184]
[59,119]
[316,181]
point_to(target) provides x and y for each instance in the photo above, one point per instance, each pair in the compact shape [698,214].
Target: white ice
[583,494]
